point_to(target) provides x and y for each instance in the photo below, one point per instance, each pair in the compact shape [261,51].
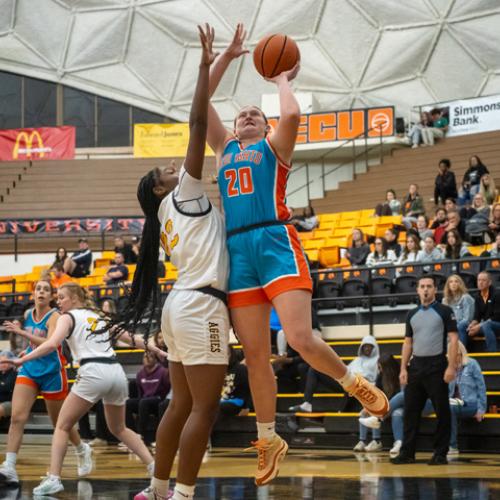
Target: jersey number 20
[240,181]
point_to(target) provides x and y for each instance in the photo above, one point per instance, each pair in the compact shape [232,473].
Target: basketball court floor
[227,475]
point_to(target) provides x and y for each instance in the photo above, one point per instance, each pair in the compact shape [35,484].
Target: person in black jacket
[235,399]
[359,250]
[78,266]
[486,312]
[471,182]
[445,185]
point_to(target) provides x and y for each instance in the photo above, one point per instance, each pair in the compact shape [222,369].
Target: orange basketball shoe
[270,454]
[374,401]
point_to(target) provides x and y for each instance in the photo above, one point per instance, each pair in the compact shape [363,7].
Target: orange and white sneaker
[374,400]
[270,454]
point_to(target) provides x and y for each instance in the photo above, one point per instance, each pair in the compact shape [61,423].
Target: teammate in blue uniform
[45,376]
[267,263]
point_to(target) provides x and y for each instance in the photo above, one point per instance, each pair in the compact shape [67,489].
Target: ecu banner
[42,143]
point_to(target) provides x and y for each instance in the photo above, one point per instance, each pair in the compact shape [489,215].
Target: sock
[11,459]
[347,380]
[151,468]
[160,486]
[183,492]
[266,431]
[54,477]
[80,448]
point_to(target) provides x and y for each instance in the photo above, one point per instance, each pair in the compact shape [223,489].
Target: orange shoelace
[261,445]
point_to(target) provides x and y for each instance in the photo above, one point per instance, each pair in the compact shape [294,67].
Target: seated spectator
[488,189]
[391,205]
[235,398]
[78,266]
[381,256]
[476,228]
[423,227]
[117,273]
[413,206]
[108,307]
[439,224]
[61,256]
[388,381]
[365,363]
[17,343]
[307,222]
[494,224]
[457,297]
[445,185]
[415,132]
[136,246]
[486,312]
[450,204]
[454,248]
[411,249]
[472,179]
[429,252]
[437,130]
[8,374]
[454,223]
[494,250]
[391,238]
[153,384]
[467,394]
[60,277]
[126,250]
[359,250]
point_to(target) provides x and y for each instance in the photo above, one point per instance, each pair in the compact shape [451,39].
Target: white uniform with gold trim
[195,325]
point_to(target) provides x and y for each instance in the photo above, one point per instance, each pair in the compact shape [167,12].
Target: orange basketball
[275,54]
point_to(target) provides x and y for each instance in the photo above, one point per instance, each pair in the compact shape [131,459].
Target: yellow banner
[158,140]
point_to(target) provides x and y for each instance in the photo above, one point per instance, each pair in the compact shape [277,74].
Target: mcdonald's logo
[28,139]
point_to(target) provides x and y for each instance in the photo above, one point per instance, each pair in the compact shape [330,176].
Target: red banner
[43,143]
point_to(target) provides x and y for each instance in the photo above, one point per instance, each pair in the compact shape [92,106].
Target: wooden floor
[227,474]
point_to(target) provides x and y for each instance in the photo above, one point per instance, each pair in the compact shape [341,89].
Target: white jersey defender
[195,320]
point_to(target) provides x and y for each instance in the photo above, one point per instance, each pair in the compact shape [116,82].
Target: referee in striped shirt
[425,370]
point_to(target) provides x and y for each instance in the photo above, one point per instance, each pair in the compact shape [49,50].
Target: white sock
[266,431]
[160,486]
[183,492]
[54,477]
[11,459]
[347,380]
[151,468]
[80,448]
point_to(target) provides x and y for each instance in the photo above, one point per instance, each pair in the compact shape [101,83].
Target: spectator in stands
[494,250]
[467,394]
[136,246]
[486,312]
[126,250]
[488,189]
[438,129]
[307,222]
[235,398]
[450,204]
[454,223]
[445,185]
[429,252]
[8,375]
[411,249]
[423,227]
[78,266]
[457,297]
[391,238]
[415,133]
[365,363]
[61,256]
[391,205]
[388,381]
[476,227]
[60,277]
[494,225]
[17,343]
[359,249]
[472,179]
[413,206]
[439,224]
[454,248]
[117,273]
[108,307]
[153,384]
[381,256]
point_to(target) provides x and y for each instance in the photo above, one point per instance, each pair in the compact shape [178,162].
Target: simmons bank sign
[42,143]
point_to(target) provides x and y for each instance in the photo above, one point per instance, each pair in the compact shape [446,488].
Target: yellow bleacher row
[24,282]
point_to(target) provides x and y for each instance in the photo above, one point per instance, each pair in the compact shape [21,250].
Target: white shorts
[195,327]
[96,381]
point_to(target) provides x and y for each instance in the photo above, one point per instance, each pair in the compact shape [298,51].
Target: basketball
[275,54]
